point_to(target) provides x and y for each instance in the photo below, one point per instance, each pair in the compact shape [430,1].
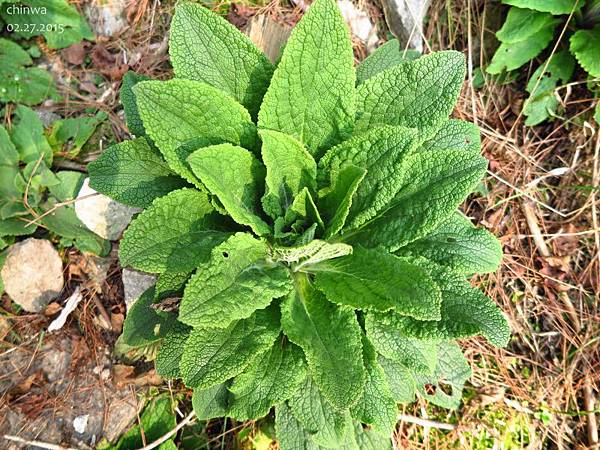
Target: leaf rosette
[309,224]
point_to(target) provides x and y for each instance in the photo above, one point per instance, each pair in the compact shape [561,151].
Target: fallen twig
[38,444]
[426,422]
[189,418]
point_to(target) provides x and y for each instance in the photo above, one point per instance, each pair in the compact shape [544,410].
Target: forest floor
[539,198]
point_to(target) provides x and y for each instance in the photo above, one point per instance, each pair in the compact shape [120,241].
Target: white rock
[135,283]
[405,19]
[32,274]
[107,17]
[360,24]
[80,423]
[102,215]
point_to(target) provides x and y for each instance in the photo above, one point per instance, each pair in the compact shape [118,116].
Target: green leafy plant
[61,25]
[304,228]
[530,27]
[29,189]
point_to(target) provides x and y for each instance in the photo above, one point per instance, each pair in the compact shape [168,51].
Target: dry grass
[542,204]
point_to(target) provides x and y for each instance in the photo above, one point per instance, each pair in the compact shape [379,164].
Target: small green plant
[59,23]
[29,189]
[530,27]
[304,227]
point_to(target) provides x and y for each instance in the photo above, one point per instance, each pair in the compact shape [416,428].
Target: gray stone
[405,20]
[101,214]
[32,274]
[46,116]
[359,23]
[107,17]
[134,284]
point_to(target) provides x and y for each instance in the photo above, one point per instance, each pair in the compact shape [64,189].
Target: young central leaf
[234,175]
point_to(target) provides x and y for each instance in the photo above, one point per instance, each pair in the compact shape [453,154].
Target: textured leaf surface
[176,112]
[235,176]
[465,311]
[374,279]
[205,47]
[129,102]
[451,372]
[522,24]
[311,95]
[454,135]
[330,337]
[551,6]
[134,173]
[292,436]
[380,151]
[271,378]
[395,344]
[212,402]
[376,406]
[303,212]
[369,439]
[512,56]
[327,426]
[400,379]
[312,253]
[143,325]
[458,245]
[170,284]
[290,168]
[234,283]
[419,93]
[335,202]
[384,57]
[171,349]
[16,226]
[585,45]
[435,183]
[213,355]
[176,233]
[28,137]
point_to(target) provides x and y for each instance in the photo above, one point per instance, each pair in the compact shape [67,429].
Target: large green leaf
[290,168]
[465,311]
[25,85]
[176,112]
[235,282]
[369,439]
[551,6]
[373,279]
[585,45]
[311,95]
[522,24]
[454,134]
[395,344]
[458,245]
[129,102]
[143,325]
[434,183]
[212,401]
[376,406]
[235,176]
[205,47]
[380,151]
[327,426]
[16,226]
[419,93]
[13,53]
[171,349]
[330,337]
[293,436]
[134,173]
[9,156]
[213,355]
[271,378]
[384,57]
[400,379]
[176,233]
